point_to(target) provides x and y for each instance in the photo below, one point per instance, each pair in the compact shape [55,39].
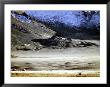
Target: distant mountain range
[72,19]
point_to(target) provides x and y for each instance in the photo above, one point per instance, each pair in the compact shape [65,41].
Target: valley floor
[69,62]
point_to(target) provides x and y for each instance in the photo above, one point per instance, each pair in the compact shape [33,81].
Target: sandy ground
[54,61]
[73,73]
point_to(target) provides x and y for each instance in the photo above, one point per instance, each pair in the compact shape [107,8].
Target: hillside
[29,33]
[24,33]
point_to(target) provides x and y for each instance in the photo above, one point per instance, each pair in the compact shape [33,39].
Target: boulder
[24,47]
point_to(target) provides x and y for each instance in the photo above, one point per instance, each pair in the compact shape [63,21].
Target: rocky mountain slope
[28,33]
[24,32]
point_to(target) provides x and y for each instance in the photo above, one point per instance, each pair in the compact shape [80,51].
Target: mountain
[72,24]
[71,18]
[30,33]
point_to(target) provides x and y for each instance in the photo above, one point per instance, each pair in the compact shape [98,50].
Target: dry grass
[96,74]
